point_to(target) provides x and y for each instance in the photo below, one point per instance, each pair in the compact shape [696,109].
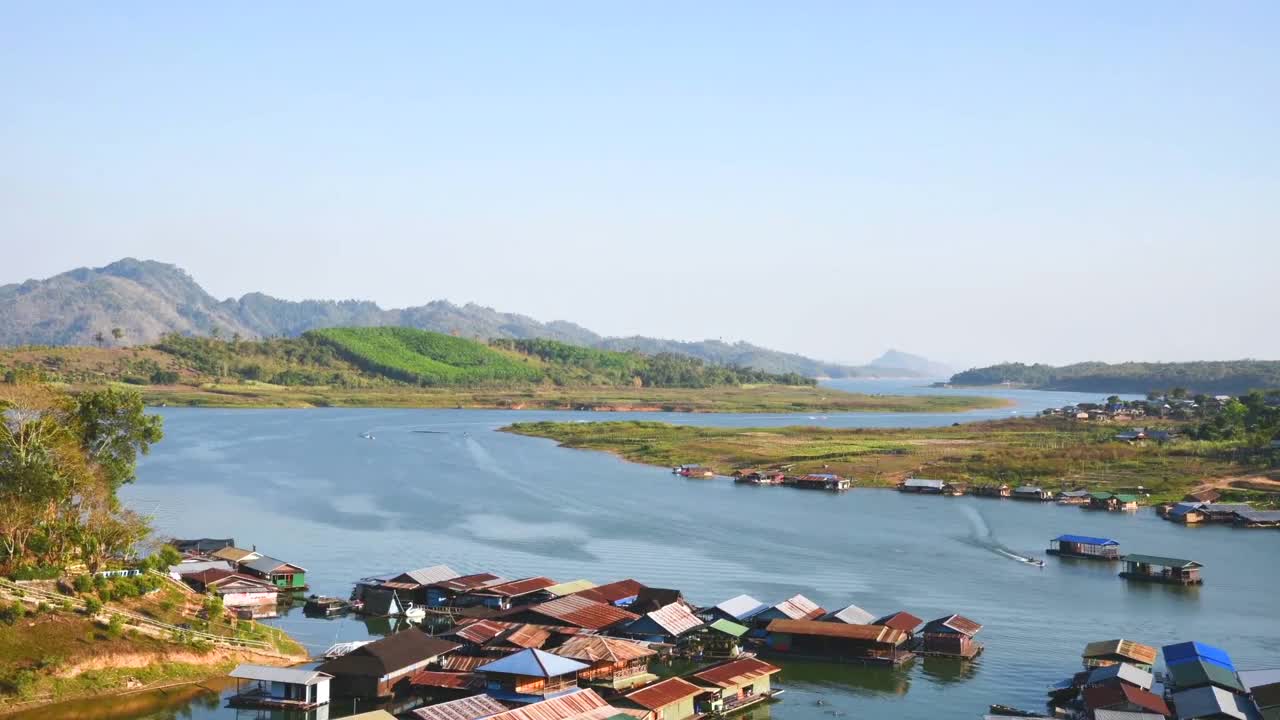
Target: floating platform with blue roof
[1084,546]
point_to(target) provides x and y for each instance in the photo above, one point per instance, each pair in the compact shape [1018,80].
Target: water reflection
[948,670]
[867,680]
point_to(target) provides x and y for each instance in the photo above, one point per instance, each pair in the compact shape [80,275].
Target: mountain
[1209,377]
[909,365]
[147,299]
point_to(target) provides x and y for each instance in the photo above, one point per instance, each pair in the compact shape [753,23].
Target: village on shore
[483,647]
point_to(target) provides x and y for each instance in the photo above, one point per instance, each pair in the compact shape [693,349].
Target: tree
[1178,393]
[117,333]
[99,338]
[1113,399]
[115,428]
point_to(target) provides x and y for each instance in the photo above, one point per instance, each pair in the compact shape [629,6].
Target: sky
[975,182]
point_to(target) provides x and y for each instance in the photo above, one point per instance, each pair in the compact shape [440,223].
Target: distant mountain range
[1209,377]
[147,299]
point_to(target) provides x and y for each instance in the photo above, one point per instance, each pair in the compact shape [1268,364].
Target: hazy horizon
[971,184]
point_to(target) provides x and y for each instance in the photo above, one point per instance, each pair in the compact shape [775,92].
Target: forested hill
[1228,377]
[136,302]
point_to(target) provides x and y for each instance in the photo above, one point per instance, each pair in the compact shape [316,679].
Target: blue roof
[1189,651]
[1183,508]
[533,663]
[1086,540]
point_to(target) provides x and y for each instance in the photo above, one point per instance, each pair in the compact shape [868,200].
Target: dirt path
[1255,481]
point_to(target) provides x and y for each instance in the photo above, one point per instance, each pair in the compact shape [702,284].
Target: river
[439,486]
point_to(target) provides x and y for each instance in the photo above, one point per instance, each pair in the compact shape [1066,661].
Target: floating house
[735,685]
[903,621]
[999,491]
[1194,664]
[620,592]
[446,592]
[724,638]
[234,554]
[1120,673]
[1072,497]
[1257,518]
[1153,568]
[823,481]
[740,609]
[475,707]
[850,615]
[581,704]
[922,486]
[503,596]
[569,588]
[1187,513]
[1223,512]
[796,607]
[838,642]
[191,566]
[531,675]
[651,598]
[1211,703]
[412,586]
[278,572]
[201,546]
[1084,546]
[759,477]
[1110,652]
[1112,502]
[1032,492]
[577,611]
[273,687]
[236,590]
[375,670]
[1263,687]
[667,624]
[612,662]
[1123,697]
[671,699]
[952,636]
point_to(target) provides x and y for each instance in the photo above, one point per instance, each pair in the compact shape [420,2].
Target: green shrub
[92,606]
[38,572]
[11,613]
[83,583]
[115,625]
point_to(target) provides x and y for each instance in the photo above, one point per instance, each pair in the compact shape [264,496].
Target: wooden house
[1109,652]
[275,687]
[1125,698]
[530,675]
[952,636]
[902,621]
[1032,492]
[474,707]
[1153,568]
[378,669]
[922,485]
[999,491]
[1223,512]
[823,481]
[1257,518]
[723,639]
[651,598]
[735,685]
[759,477]
[839,642]
[413,585]
[278,572]
[1072,497]
[1084,546]
[668,624]
[1119,673]
[1208,495]
[1187,513]
[576,611]
[620,592]
[671,699]
[1214,703]
[236,590]
[613,663]
[446,592]
[1112,502]
[850,615]
[503,596]
[796,607]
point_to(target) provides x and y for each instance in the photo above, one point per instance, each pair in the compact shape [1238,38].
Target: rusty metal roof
[662,694]
[953,623]
[468,582]
[527,636]
[451,680]
[516,588]
[799,607]
[557,708]
[867,633]
[475,707]
[598,648]
[737,672]
[481,631]
[1142,654]
[583,612]
[675,619]
[613,592]
[463,663]
[901,620]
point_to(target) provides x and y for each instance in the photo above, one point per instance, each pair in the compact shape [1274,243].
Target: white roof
[1208,701]
[433,574]
[851,615]
[291,676]
[1251,679]
[741,607]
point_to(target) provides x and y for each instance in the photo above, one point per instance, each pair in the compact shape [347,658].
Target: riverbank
[724,399]
[1048,452]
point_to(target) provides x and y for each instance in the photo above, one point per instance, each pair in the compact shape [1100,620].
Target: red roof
[466,582]
[583,612]
[662,694]
[1106,696]
[737,672]
[482,631]
[901,620]
[613,592]
[204,577]
[451,680]
[515,588]
[560,708]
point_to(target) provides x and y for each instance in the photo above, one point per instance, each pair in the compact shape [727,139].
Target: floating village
[483,647]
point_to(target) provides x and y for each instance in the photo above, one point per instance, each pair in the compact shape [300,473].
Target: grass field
[1052,453]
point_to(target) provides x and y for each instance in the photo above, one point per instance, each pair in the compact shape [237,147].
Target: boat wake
[980,536]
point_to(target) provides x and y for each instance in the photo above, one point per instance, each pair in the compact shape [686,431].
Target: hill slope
[147,299]
[1209,377]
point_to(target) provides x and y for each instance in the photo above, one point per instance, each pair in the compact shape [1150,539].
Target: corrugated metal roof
[742,607]
[901,620]
[956,623]
[1104,714]
[868,633]
[664,693]
[737,672]
[481,631]
[1121,671]
[469,582]
[1226,508]
[533,663]
[1105,696]
[433,574]
[1028,489]
[266,564]
[923,483]
[234,554]
[1209,702]
[516,588]
[266,673]
[1183,508]
[476,707]
[557,708]
[1259,515]
[527,636]
[371,715]
[1086,540]
[598,648]
[799,607]
[1184,651]
[675,619]
[729,627]
[568,588]
[1200,672]
[851,614]
[463,663]
[1161,561]
[614,592]
[449,680]
[584,612]
[1143,654]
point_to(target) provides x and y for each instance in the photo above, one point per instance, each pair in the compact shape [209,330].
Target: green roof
[728,627]
[1127,498]
[1195,673]
[1158,560]
[1101,495]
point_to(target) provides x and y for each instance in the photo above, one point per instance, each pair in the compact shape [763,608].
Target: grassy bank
[1052,453]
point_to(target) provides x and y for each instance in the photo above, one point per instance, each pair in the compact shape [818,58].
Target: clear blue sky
[972,181]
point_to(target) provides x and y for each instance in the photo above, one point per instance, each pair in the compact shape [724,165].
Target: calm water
[438,486]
